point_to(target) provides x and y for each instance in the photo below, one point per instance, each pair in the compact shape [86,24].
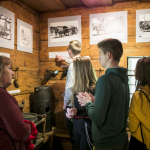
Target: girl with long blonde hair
[85,81]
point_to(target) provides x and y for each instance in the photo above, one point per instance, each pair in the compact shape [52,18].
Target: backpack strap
[140,122]
[9,137]
[145,95]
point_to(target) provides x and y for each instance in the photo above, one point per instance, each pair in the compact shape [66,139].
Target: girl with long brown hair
[139,112]
[85,81]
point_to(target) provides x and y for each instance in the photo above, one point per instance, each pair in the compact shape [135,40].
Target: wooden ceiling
[59,5]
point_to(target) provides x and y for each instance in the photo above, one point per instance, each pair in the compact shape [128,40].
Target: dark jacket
[11,120]
[81,111]
[110,111]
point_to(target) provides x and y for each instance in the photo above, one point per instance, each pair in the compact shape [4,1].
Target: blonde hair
[75,47]
[4,61]
[85,77]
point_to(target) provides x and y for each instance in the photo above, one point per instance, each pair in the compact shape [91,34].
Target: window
[131,67]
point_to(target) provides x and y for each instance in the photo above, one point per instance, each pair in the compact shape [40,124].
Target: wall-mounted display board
[143,25]
[24,36]
[6,28]
[108,25]
[63,29]
[5,54]
[64,54]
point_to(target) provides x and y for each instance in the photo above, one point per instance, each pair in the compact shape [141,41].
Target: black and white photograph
[143,25]
[108,25]
[24,36]
[63,29]
[6,28]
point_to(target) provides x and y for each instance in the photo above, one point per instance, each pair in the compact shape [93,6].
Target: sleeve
[69,60]
[133,119]
[97,111]
[135,114]
[69,85]
[12,118]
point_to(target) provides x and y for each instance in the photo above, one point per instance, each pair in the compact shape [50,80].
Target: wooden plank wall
[130,49]
[28,63]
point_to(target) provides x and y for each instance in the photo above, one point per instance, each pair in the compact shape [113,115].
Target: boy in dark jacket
[108,110]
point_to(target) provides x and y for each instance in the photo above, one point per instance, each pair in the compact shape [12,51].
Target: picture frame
[143,25]
[62,30]
[5,54]
[6,28]
[108,25]
[24,36]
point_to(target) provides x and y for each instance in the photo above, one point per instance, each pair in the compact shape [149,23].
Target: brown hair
[85,77]
[142,75]
[75,47]
[4,61]
[113,46]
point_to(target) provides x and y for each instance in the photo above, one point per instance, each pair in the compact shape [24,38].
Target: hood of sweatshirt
[120,71]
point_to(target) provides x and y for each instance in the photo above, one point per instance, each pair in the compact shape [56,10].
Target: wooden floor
[60,140]
[56,140]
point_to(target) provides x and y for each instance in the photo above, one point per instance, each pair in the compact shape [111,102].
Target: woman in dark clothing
[13,131]
[85,80]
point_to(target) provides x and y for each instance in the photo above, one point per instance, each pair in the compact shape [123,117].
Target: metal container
[43,105]
[30,116]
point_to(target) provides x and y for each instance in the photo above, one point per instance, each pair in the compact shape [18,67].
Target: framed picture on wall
[143,25]
[6,28]
[63,29]
[24,36]
[108,25]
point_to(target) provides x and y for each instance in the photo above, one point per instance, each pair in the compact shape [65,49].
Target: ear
[70,51]
[108,55]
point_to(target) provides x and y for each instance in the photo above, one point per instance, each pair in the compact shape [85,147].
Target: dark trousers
[79,133]
[70,128]
[136,144]
[123,146]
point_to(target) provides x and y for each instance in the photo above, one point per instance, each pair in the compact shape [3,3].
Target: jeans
[79,133]
[70,128]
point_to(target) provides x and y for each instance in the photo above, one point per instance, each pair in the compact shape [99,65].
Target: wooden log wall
[130,49]
[28,63]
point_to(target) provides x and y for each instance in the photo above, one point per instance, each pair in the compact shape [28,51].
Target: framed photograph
[24,36]
[63,29]
[143,25]
[6,28]
[108,25]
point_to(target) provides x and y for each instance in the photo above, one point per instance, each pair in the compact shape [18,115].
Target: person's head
[74,48]
[85,77]
[110,51]
[5,71]
[142,72]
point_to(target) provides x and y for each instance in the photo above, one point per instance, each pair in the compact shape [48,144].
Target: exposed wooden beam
[5,0]
[145,0]
[118,1]
[97,3]
[72,3]
[45,5]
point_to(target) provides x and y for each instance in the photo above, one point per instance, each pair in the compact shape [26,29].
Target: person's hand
[84,98]
[64,107]
[92,97]
[71,112]
[60,58]
[69,116]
